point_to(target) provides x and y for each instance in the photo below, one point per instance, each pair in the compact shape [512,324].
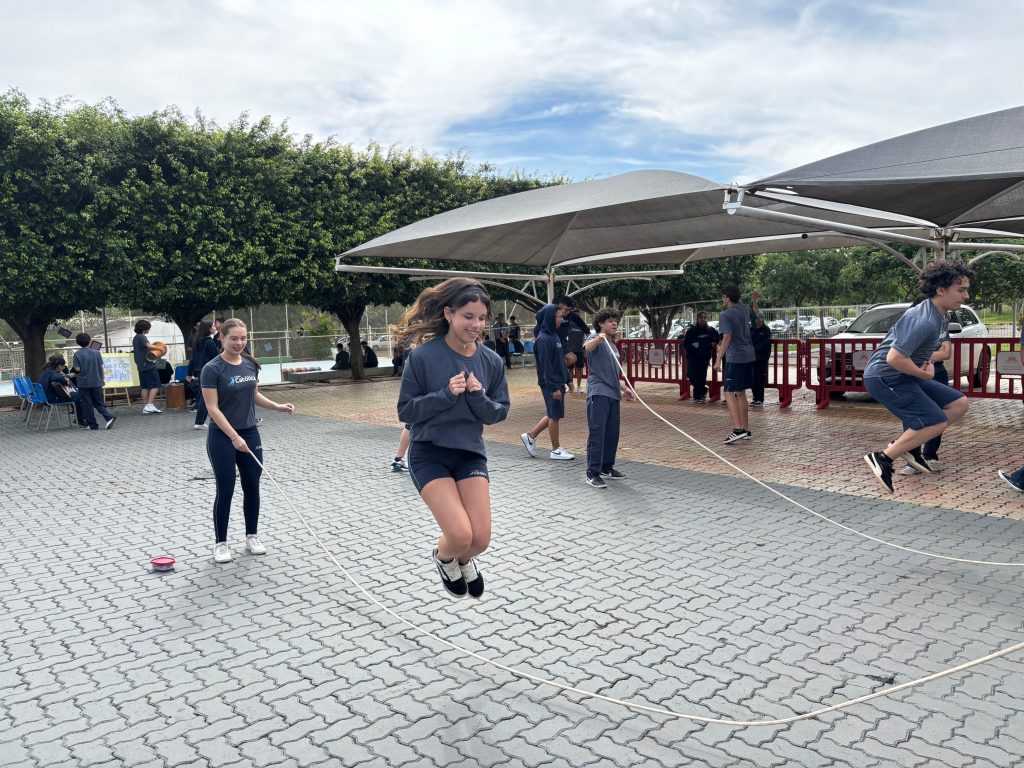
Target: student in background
[88,364]
[205,350]
[699,342]
[149,379]
[369,356]
[761,338]
[552,376]
[342,360]
[58,389]
[604,394]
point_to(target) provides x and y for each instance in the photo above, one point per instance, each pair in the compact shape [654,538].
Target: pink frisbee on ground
[162,563]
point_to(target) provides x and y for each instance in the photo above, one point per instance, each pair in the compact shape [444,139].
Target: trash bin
[174,396]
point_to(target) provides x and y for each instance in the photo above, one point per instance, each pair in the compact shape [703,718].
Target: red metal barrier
[656,360]
[663,361]
[834,366]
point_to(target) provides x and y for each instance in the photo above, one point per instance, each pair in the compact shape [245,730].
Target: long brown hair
[425,319]
[234,322]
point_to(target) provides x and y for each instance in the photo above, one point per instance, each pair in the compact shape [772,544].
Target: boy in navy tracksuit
[552,375]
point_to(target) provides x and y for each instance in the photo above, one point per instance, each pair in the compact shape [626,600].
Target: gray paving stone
[279,660]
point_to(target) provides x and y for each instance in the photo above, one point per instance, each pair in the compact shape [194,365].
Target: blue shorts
[918,403]
[428,462]
[149,379]
[555,409]
[737,377]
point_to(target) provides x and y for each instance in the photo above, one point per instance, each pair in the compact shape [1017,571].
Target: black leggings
[224,458]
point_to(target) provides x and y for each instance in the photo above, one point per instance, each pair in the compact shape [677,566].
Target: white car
[874,322]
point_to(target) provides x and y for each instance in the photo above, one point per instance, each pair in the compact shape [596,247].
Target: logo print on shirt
[240,380]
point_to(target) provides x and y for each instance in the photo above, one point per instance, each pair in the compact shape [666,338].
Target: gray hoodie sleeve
[414,403]
[493,405]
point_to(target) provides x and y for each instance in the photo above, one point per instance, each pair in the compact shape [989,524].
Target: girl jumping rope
[451,387]
[229,383]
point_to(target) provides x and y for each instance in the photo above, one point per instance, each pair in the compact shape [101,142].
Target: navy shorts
[737,377]
[555,409]
[149,379]
[918,403]
[428,462]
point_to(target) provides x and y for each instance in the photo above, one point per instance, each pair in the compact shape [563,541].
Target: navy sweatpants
[602,433]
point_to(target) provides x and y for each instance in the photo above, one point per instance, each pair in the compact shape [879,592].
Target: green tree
[871,275]
[999,279]
[61,248]
[210,225]
[800,277]
[347,197]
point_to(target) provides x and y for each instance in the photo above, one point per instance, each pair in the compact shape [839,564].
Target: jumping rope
[792,501]
[611,700]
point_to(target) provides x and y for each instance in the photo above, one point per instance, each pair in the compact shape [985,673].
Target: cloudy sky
[728,89]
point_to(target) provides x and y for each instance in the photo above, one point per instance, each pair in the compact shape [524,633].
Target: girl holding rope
[451,387]
[229,387]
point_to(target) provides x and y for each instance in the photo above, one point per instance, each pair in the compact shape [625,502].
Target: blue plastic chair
[39,398]
[22,389]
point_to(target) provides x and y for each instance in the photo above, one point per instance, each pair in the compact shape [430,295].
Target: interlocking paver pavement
[683,587]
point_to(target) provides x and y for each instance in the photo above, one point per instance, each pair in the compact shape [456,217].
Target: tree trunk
[32,332]
[351,314]
[185,318]
[659,319]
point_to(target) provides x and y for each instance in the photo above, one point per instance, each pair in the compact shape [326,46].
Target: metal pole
[287,335]
[106,335]
[551,286]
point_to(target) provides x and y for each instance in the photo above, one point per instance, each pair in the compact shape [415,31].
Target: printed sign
[268,346]
[1009,364]
[119,371]
[656,357]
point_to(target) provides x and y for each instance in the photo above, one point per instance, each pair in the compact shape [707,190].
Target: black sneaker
[596,482]
[451,575]
[915,459]
[881,465]
[736,435]
[613,474]
[473,578]
[1009,481]
[110,422]
[700,401]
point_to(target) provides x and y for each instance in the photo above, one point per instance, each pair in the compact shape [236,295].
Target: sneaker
[613,474]
[151,409]
[473,578]
[222,552]
[933,462]
[736,435]
[529,443]
[596,481]
[259,420]
[579,390]
[110,422]
[1009,481]
[560,454]
[95,427]
[254,545]
[451,575]
[398,465]
[198,426]
[916,460]
[700,401]
[881,465]
[909,470]
[757,403]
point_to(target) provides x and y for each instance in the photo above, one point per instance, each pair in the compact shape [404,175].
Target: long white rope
[627,704]
[792,501]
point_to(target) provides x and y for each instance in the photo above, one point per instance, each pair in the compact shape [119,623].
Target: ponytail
[234,322]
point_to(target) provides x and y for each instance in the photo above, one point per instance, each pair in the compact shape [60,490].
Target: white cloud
[768,84]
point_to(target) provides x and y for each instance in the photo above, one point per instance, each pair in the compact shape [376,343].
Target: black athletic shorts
[428,462]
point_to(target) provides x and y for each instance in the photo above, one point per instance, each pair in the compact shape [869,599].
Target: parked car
[874,322]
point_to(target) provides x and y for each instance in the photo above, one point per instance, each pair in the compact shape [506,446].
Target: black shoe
[700,401]
[736,435]
[881,465]
[451,576]
[96,427]
[596,481]
[473,578]
[110,422]
[613,474]
[757,404]
[1006,479]
[915,459]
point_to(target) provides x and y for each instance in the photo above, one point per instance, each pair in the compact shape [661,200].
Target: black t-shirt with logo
[236,390]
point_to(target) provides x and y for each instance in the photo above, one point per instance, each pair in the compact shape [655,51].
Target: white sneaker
[198,426]
[254,545]
[579,390]
[560,454]
[151,409]
[529,443]
[909,470]
[222,552]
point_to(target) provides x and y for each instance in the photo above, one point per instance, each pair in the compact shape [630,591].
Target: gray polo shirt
[90,365]
[916,335]
[603,371]
[139,350]
[736,321]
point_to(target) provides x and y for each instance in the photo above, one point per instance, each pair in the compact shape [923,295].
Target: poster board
[119,371]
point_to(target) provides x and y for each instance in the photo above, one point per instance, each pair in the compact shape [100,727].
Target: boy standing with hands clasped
[604,393]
